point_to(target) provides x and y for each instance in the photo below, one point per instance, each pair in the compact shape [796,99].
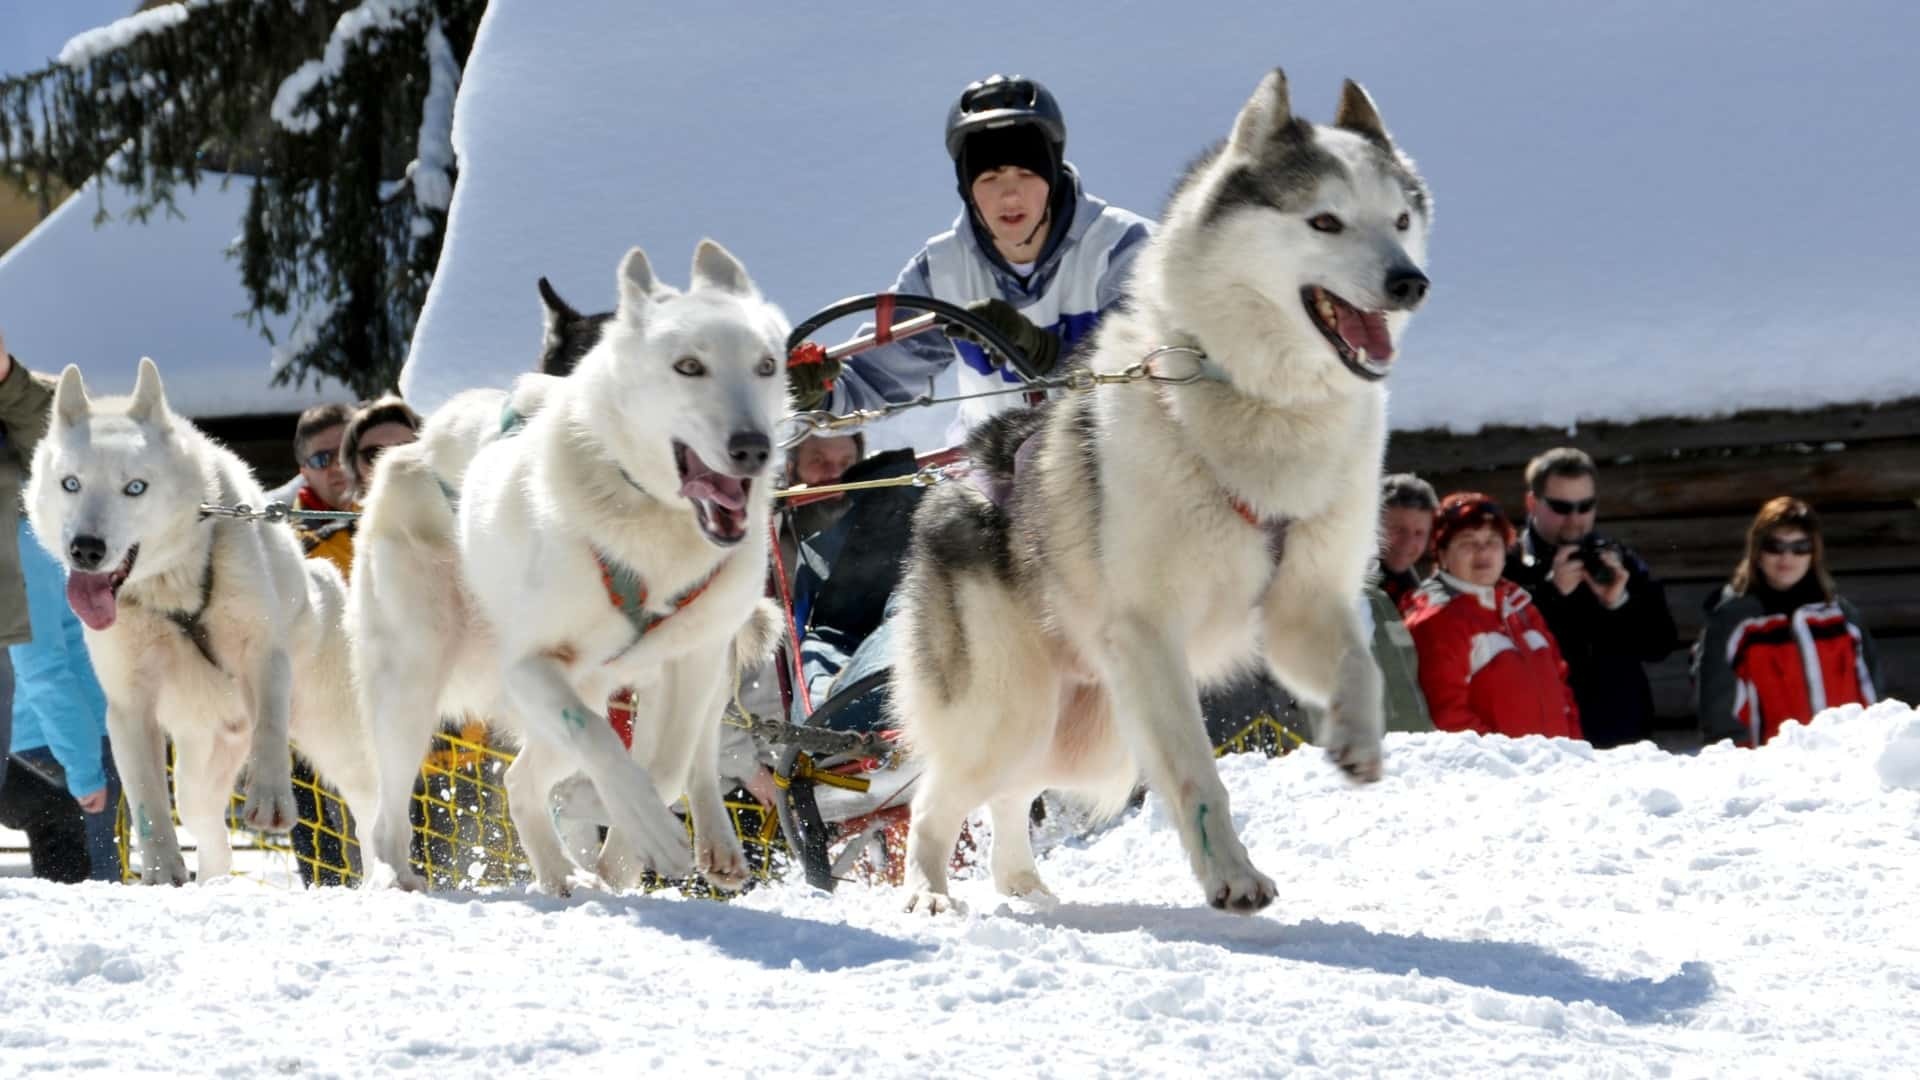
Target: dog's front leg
[1158,710]
[140,754]
[1310,637]
[269,805]
[552,712]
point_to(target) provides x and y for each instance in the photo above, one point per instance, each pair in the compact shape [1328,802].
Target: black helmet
[1000,101]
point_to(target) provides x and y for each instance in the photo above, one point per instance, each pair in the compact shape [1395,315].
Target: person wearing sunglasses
[321,483]
[376,427]
[1780,643]
[1605,607]
[1031,253]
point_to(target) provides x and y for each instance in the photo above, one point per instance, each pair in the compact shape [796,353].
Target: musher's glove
[1041,347]
[811,381]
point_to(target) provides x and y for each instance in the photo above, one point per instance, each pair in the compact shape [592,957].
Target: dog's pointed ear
[1358,114]
[1265,113]
[70,404]
[556,309]
[149,403]
[714,267]
[637,285]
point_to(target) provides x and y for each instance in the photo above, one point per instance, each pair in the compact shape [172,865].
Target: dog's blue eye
[689,366]
[71,483]
[135,487]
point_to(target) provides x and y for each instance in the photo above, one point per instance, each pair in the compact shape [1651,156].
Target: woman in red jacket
[1488,663]
[1780,644]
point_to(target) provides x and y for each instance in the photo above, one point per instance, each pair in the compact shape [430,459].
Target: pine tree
[339,111]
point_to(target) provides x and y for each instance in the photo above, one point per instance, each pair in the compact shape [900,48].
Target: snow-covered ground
[1643,208]
[1493,907]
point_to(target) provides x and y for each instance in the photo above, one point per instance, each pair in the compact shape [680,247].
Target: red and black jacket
[1756,669]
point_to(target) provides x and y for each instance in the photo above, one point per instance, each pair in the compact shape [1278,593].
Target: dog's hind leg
[140,755]
[552,711]
[529,782]
[204,770]
[939,813]
[1158,712]
[1014,870]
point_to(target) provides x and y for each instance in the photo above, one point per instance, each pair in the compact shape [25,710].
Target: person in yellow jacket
[322,484]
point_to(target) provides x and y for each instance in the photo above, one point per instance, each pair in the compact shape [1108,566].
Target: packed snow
[1493,907]
[1644,208]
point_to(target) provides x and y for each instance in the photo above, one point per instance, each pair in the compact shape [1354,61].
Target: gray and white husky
[217,632]
[539,548]
[1161,538]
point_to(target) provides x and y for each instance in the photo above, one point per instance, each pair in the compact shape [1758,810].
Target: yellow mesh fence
[462,836]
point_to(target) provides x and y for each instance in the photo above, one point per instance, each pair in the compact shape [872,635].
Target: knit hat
[1465,510]
[1022,145]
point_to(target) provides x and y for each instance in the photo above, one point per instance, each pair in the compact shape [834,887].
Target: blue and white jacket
[57,701]
[1076,280]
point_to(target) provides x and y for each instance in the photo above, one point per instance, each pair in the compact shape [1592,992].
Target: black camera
[1588,552]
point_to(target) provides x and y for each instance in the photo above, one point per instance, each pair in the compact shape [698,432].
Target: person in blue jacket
[1031,253]
[59,710]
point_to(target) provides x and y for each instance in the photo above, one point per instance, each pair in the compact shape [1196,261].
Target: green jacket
[24,401]
[1400,697]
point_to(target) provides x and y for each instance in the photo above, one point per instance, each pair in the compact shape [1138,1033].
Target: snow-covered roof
[102,297]
[1644,209]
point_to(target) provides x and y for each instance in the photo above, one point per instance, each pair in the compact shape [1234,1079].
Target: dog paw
[1025,885]
[618,866]
[929,902]
[165,868]
[269,807]
[722,862]
[381,875]
[1241,890]
[1363,764]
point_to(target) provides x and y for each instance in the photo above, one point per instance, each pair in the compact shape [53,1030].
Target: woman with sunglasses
[1780,644]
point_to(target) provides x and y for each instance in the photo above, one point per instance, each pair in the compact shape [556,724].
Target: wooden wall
[1682,493]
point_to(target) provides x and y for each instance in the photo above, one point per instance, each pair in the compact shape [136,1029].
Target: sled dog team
[542,546]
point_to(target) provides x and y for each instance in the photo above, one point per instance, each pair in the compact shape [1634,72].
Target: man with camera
[1604,606]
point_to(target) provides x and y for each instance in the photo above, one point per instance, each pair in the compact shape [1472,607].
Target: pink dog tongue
[91,597]
[706,485]
[1367,330]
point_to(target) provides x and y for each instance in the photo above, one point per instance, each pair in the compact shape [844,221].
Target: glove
[1041,347]
[810,382]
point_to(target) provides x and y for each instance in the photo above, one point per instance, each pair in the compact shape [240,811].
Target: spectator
[323,483]
[1780,644]
[24,399]
[374,428]
[1407,504]
[1604,605]
[1488,663]
[1394,654]
[59,710]
[1031,253]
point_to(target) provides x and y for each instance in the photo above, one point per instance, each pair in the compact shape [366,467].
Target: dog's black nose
[749,450]
[87,552]
[1407,286]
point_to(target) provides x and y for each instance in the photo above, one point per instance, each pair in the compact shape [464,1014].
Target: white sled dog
[1162,538]
[538,549]
[214,631]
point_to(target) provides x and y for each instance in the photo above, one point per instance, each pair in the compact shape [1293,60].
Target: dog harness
[191,624]
[628,594]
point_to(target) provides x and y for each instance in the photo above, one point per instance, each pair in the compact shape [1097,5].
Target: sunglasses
[368,454]
[322,459]
[1567,507]
[1773,546]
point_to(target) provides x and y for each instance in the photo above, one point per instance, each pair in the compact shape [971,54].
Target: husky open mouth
[1360,337]
[719,500]
[96,597]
